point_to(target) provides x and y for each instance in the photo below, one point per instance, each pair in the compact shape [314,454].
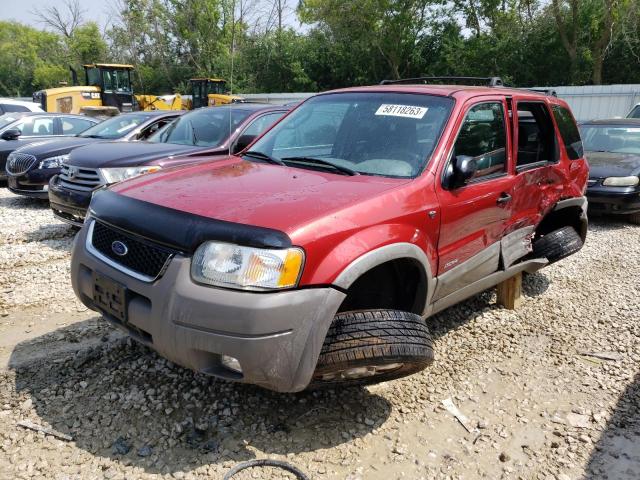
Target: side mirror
[243,142]
[11,134]
[459,171]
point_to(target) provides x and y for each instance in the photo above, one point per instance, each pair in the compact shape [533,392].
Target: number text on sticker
[407,111]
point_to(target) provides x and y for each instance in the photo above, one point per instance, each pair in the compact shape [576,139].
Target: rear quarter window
[569,132]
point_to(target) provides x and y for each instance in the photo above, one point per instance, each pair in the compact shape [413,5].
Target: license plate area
[110,297]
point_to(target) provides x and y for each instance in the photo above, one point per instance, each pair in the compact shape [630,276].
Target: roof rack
[547,91]
[483,81]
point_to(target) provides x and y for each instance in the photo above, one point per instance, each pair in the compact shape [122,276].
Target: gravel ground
[540,404]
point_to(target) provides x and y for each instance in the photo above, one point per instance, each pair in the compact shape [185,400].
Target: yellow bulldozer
[205,92]
[108,91]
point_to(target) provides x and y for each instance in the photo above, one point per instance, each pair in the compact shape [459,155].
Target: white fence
[600,101]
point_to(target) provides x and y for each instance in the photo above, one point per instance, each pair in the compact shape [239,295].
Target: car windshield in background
[6,119]
[206,127]
[635,113]
[611,138]
[386,134]
[116,127]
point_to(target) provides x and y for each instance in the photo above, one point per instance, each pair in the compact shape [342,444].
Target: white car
[9,105]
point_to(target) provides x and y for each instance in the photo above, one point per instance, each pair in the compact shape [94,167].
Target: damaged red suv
[316,256]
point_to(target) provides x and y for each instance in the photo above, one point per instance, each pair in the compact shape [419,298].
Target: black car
[30,168]
[18,129]
[204,132]
[613,150]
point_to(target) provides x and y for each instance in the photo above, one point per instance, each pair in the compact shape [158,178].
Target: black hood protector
[177,229]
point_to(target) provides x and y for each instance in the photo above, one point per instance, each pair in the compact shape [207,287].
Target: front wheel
[371,346]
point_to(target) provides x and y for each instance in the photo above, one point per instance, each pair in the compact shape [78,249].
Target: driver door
[474,215]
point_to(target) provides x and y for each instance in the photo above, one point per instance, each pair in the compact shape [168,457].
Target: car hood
[606,164]
[126,154]
[42,149]
[258,194]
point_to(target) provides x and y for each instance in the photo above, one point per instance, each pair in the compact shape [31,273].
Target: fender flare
[384,254]
[583,204]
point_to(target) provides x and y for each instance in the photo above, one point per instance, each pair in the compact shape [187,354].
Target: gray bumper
[275,336]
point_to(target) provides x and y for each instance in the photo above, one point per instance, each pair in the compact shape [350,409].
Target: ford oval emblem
[119,248]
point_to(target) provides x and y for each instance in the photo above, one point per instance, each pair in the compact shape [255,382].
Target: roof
[209,79]
[253,106]
[457,91]
[40,113]
[614,121]
[155,113]
[109,65]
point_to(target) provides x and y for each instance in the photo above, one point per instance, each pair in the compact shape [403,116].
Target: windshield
[6,119]
[386,134]
[116,127]
[611,138]
[635,113]
[116,80]
[206,127]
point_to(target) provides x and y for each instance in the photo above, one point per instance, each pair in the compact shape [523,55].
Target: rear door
[474,216]
[538,182]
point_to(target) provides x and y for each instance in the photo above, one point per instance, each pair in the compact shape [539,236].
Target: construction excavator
[108,91]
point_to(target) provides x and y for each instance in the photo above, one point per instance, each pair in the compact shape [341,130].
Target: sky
[20,10]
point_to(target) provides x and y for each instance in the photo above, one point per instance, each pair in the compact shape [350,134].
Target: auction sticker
[406,111]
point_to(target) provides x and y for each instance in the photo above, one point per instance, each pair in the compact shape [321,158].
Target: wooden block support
[510,292]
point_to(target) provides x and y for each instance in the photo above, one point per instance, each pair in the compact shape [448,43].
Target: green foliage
[343,43]
[86,45]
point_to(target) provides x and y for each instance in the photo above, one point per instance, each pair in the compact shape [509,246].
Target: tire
[370,346]
[557,245]
[635,218]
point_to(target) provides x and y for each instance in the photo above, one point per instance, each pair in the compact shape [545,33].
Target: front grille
[78,178]
[141,256]
[20,163]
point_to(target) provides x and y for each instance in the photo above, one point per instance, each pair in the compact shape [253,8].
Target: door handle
[503,198]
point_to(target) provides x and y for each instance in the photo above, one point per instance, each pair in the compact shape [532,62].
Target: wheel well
[570,216]
[399,284]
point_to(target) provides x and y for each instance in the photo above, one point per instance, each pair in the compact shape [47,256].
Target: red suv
[315,256]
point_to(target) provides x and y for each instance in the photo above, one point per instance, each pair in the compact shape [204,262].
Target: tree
[62,20]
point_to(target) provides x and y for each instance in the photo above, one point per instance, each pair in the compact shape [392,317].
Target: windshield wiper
[264,156]
[321,162]
[91,136]
[193,134]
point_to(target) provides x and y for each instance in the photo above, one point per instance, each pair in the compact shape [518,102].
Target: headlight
[54,162]
[115,175]
[631,181]
[234,266]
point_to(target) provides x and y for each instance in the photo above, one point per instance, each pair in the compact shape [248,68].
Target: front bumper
[613,200]
[276,337]
[34,183]
[70,206]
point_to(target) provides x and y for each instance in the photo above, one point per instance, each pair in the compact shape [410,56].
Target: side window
[483,136]
[260,124]
[154,127]
[73,126]
[569,132]
[35,126]
[13,108]
[635,113]
[42,126]
[536,137]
